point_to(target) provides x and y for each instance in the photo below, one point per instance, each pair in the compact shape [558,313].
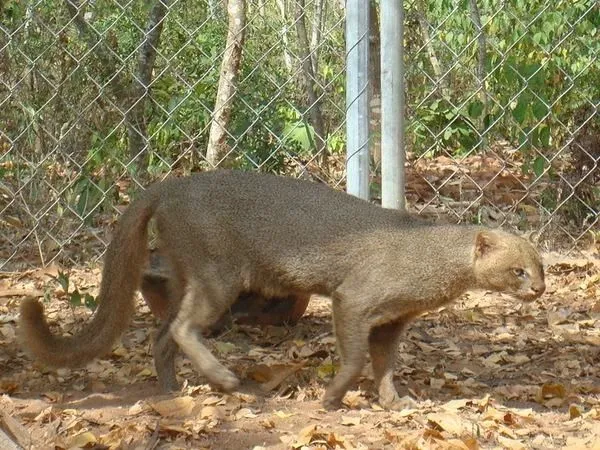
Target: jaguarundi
[228,232]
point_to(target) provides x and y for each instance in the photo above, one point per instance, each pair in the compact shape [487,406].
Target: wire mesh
[98,98]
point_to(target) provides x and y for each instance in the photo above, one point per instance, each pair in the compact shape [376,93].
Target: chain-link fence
[98,98]
[506,95]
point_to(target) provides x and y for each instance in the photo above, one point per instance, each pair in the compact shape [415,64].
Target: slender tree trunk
[287,59]
[140,85]
[375,83]
[310,79]
[315,39]
[421,8]
[217,140]
[481,73]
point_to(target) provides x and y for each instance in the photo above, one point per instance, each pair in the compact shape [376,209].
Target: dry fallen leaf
[350,420]
[245,413]
[575,411]
[452,423]
[503,355]
[82,440]
[511,444]
[175,407]
[211,413]
[305,436]
[551,394]
[284,415]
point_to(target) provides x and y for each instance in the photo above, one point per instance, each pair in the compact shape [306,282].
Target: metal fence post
[392,104]
[357,98]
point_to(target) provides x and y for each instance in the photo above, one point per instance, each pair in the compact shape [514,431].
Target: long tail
[123,264]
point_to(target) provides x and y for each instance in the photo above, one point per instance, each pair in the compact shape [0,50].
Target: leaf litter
[486,373]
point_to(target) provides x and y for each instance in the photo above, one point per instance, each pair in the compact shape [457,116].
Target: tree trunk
[374,83]
[481,62]
[421,8]
[315,40]
[310,79]
[287,59]
[218,148]
[140,85]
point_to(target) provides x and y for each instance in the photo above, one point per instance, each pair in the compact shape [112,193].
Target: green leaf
[539,37]
[75,298]
[538,165]
[520,111]
[298,133]
[475,109]
[524,142]
[544,135]
[90,302]
[539,110]
[447,133]
[63,280]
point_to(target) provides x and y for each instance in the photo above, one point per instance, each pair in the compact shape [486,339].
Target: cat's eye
[519,272]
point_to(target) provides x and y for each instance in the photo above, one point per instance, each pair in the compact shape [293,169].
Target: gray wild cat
[228,232]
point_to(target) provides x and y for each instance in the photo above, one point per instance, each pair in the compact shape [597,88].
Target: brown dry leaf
[454,444]
[577,443]
[305,436]
[211,413]
[355,400]
[431,433]
[8,386]
[452,423]
[244,413]
[48,272]
[267,424]
[492,413]
[551,391]
[271,376]
[175,428]
[511,444]
[260,373]
[336,441]
[350,420]
[8,292]
[144,373]
[213,400]
[284,415]
[471,443]
[175,407]
[82,440]
[558,317]
[575,411]
[120,351]
[455,405]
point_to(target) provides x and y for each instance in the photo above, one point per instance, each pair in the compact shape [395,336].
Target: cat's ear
[486,242]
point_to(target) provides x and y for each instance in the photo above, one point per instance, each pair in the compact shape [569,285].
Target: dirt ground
[487,372]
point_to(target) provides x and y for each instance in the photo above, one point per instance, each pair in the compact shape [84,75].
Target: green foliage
[541,73]
[439,125]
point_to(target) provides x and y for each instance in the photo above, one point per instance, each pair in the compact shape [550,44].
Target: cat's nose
[539,288]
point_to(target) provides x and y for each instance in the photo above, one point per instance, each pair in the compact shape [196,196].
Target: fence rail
[101,97]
